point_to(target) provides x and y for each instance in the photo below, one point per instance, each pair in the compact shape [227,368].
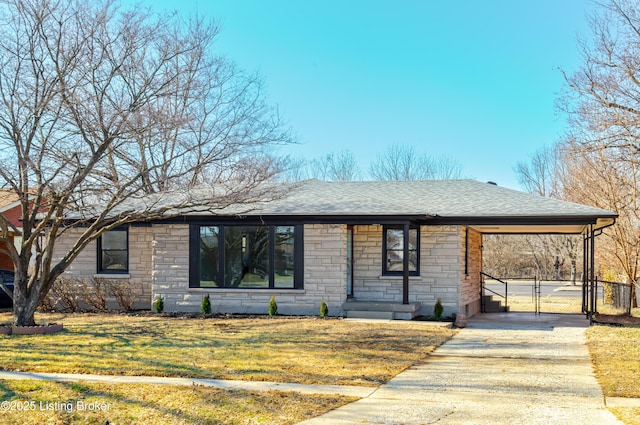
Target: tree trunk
[24,307]
[24,313]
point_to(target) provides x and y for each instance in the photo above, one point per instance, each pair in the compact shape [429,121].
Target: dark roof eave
[303,218]
[396,219]
[522,220]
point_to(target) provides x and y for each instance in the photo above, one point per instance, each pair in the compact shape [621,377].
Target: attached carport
[589,226]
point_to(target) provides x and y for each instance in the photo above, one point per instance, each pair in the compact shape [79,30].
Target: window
[247,257]
[284,257]
[393,250]
[208,242]
[113,251]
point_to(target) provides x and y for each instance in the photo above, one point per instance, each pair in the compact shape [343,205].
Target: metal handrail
[483,288]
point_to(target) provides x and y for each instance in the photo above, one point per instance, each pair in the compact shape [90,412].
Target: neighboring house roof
[8,199]
[11,208]
[485,206]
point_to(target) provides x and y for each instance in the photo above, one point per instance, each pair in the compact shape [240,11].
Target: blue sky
[473,80]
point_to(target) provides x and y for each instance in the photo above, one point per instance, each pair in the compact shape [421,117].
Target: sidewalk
[352,391]
[501,369]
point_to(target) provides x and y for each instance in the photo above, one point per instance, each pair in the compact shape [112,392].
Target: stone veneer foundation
[449,270]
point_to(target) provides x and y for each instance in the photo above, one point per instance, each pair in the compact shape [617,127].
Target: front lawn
[300,350]
[40,402]
[615,354]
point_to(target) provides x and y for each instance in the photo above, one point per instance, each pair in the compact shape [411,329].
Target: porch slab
[361,309]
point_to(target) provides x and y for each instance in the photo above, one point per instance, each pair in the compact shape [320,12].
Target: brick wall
[5,261]
[470,282]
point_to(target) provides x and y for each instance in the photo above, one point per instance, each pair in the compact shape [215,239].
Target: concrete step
[496,309]
[380,310]
[494,306]
[357,314]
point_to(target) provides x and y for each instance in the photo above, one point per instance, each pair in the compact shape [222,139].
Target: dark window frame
[100,269]
[194,256]
[400,272]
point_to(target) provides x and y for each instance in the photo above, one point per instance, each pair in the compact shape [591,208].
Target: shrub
[438,310]
[273,306]
[65,291]
[324,309]
[158,304]
[94,293]
[48,303]
[205,307]
[123,294]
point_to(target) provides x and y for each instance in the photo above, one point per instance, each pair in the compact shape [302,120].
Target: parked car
[7,277]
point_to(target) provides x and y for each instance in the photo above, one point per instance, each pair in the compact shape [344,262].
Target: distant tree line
[397,162]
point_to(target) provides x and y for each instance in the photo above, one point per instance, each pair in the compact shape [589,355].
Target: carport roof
[487,207]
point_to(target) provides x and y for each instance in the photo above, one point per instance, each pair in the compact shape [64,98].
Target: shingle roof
[7,198]
[486,207]
[436,198]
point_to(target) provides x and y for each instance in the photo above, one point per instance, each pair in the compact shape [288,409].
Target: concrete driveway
[508,368]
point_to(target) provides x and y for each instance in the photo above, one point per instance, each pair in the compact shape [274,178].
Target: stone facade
[324,276]
[442,272]
[159,266]
[139,276]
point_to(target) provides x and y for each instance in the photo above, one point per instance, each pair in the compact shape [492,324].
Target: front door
[349,261]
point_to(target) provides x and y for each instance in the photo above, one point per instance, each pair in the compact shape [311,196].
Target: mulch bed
[608,319]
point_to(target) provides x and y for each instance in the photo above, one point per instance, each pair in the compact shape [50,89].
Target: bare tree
[549,256]
[104,111]
[602,100]
[541,174]
[340,166]
[404,163]
[600,178]
[603,96]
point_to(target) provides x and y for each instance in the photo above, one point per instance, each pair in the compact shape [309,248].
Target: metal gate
[558,297]
[532,295]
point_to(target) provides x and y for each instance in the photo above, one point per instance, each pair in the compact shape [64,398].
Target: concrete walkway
[502,369]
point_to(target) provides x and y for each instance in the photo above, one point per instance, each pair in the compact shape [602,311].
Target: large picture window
[393,251]
[113,251]
[256,257]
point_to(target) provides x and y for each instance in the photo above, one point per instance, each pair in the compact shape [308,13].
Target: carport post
[405,263]
[592,273]
[585,274]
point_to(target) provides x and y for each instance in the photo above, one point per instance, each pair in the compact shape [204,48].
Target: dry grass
[547,304]
[628,415]
[615,353]
[301,350]
[61,403]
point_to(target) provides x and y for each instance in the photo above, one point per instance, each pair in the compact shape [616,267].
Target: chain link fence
[616,297]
